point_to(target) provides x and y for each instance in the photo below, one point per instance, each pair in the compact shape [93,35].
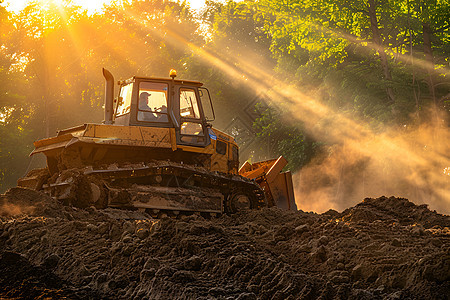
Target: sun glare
[91,6]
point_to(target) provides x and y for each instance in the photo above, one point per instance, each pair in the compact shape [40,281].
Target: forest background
[354,93]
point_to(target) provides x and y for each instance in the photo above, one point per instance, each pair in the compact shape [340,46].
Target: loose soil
[385,248]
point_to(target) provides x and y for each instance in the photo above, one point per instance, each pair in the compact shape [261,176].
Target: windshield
[152,102]
[124,103]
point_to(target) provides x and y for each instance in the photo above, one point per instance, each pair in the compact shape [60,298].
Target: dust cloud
[10,209]
[409,163]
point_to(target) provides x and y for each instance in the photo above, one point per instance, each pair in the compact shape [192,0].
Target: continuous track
[158,187]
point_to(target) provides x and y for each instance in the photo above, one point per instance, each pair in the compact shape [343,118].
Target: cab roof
[168,80]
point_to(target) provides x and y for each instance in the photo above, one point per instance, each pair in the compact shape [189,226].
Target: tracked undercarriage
[158,187]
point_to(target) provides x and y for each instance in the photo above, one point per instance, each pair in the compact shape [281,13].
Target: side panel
[202,150]
[225,158]
[129,135]
[219,158]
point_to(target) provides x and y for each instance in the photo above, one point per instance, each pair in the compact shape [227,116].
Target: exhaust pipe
[109,96]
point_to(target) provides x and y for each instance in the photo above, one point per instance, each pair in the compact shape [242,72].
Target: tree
[278,137]
[434,17]
[15,113]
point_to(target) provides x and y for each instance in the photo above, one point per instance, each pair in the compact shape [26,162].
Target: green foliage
[343,61]
[278,137]
[15,146]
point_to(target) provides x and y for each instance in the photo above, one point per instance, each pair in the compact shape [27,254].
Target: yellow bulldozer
[157,151]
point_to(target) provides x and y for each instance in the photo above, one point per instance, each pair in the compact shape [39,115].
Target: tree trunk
[416,96]
[427,34]
[379,47]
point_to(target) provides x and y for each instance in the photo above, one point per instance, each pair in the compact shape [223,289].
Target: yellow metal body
[134,136]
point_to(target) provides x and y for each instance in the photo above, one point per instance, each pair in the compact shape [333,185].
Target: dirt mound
[395,209]
[381,248]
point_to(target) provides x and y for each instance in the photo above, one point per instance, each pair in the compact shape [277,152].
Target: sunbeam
[401,151]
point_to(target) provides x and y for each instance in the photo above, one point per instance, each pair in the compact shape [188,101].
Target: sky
[91,5]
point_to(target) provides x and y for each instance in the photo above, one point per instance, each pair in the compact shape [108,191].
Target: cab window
[152,105]
[124,104]
[235,153]
[221,147]
[189,104]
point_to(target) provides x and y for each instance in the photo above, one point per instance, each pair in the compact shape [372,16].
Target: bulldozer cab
[167,103]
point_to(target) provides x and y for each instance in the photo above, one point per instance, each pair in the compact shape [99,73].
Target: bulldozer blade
[277,186]
[282,191]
